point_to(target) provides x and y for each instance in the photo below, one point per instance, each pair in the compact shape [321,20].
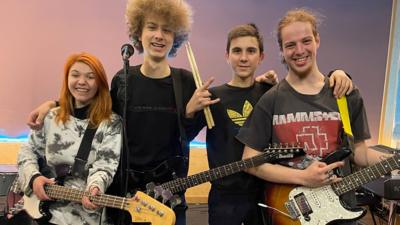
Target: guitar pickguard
[307,206]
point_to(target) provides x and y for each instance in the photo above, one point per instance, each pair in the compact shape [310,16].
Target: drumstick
[199,83]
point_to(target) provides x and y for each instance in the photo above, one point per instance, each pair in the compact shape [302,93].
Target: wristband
[33,178]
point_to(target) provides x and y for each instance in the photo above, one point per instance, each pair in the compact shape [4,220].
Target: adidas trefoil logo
[238,118]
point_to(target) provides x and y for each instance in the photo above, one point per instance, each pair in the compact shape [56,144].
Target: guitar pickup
[303,205]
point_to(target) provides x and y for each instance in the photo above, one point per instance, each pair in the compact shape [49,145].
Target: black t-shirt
[222,147]
[152,126]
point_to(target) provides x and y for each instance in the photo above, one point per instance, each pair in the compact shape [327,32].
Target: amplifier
[391,188]
[388,186]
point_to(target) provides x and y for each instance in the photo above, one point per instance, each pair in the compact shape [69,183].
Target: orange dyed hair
[100,108]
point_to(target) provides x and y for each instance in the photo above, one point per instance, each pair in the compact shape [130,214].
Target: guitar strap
[348,142]
[84,149]
[347,137]
[344,114]
[177,86]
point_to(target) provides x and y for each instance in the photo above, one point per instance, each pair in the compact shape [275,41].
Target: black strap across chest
[177,84]
[83,153]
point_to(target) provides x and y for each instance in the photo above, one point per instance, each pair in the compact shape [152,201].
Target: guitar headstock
[284,151]
[144,208]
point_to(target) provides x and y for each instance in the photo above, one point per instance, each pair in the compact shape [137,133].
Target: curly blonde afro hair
[177,13]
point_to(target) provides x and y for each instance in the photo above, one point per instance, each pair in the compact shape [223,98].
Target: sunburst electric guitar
[142,207]
[317,206]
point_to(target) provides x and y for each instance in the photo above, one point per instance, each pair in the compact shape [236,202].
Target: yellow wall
[8,153]
[198,163]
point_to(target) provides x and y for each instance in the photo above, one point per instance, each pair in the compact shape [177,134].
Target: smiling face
[299,48]
[244,56]
[82,84]
[157,38]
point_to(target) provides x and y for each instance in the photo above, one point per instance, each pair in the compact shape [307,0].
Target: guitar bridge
[292,210]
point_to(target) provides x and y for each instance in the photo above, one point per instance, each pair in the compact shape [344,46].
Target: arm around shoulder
[36,117]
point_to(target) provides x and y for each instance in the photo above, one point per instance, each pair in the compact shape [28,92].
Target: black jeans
[234,209]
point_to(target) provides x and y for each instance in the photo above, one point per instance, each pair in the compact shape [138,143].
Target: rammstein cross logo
[313,139]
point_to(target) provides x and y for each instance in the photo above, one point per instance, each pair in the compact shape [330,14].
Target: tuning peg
[174,201]
[150,188]
[267,149]
[166,195]
[158,192]
[129,195]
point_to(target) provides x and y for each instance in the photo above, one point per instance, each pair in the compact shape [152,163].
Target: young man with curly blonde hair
[157,94]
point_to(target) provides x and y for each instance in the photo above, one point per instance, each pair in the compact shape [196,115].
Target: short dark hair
[245,30]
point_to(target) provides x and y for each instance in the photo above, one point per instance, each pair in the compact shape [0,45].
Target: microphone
[127,51]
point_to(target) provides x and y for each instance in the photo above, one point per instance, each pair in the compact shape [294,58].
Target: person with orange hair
[85,103]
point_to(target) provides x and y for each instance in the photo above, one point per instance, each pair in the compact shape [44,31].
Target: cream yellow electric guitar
[142,207]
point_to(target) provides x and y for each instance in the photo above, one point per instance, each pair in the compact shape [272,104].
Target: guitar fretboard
[181,184]
[75,195]
[366,175]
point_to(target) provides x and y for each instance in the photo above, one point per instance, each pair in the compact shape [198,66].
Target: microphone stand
[127,153]
[125,149]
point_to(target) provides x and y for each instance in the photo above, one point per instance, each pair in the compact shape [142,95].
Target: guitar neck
[366,175]
[75,195]
[181,184]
